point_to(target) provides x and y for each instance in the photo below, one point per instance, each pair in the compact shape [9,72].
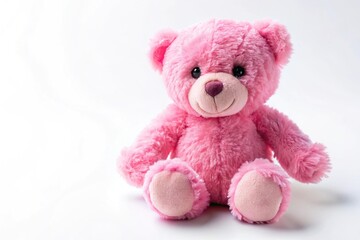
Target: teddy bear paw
[171,193]
[312,167]
[175,190]
[257,198]
[259,192]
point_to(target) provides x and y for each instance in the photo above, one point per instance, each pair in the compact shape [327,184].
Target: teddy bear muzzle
[217,95]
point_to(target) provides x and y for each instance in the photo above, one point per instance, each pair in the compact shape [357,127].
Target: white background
[76,86]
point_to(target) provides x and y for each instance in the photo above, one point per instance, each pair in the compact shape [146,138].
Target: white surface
[76,86]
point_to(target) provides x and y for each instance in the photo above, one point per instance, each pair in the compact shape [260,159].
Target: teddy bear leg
[174,190]
[259,192]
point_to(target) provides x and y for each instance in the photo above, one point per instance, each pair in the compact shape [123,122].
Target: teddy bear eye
[238,71]
[196,72]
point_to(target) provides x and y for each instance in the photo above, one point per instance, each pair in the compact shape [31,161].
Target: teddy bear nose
[214,87]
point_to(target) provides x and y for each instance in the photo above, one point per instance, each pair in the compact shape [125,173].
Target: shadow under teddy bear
[308,206]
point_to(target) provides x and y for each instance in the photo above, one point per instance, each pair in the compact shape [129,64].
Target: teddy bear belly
[216,153]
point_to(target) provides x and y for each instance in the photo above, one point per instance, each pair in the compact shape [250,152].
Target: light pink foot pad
[259,192]
[174,190]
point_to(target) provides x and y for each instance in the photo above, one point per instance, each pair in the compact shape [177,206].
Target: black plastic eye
[196,72]
[238,71]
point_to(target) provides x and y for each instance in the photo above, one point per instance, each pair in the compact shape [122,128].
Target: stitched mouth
[211,113]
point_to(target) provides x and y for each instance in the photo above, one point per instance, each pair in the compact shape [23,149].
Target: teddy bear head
[221,67]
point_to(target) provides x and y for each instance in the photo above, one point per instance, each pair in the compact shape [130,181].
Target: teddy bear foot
[174,190]
[259,192]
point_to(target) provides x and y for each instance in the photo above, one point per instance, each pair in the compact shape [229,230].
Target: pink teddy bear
[215,144]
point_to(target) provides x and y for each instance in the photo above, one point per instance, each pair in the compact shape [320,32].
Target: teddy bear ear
[278,39]
[158,47]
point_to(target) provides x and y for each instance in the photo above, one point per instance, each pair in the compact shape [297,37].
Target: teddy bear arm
[303,160]
[154,143]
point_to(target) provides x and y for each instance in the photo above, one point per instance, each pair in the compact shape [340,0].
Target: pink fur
[203,45]
[198,185]
[267,169]
[278,39]
[159,44]
[213,150]
[216,147]
[303,160]
[154,143]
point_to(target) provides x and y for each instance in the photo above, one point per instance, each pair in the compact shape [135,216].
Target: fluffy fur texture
[154,143]
[215,151]
[278,39]
[305,161]
[159,44]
